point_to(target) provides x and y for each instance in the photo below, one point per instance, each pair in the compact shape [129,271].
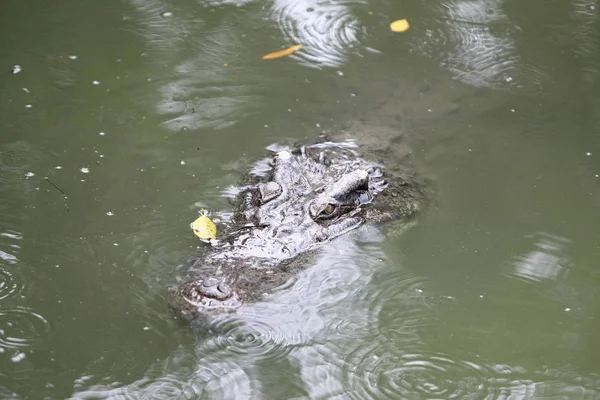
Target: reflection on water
[203,90]
[219,81]
[327,334]
[546,261]
[484,308]
[236,355]
[475,41]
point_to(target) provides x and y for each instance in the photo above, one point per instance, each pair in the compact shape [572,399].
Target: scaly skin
[306,198]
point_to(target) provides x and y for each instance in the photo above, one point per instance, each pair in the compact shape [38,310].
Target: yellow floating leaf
[400,26]
[204,228]
[282,53]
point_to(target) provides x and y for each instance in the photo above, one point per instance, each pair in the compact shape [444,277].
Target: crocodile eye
[328,211]
[321,210]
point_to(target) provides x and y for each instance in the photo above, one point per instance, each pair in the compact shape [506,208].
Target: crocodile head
[297,201]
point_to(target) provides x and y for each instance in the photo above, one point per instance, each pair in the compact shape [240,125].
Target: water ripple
[474,40]
[329,30]
[21,327]
[255,338]
[390,375]
[419,375]
[163,387]
[11,283]
[166,387]
[14,161]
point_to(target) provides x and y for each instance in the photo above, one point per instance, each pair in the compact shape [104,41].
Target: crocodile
[289,205]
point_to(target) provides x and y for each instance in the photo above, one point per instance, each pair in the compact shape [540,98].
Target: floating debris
[282,53]
[204,227]
[400,26]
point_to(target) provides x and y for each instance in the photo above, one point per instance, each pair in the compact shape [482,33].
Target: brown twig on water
[64,195]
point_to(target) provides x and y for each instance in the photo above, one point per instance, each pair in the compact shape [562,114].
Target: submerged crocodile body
[292,203]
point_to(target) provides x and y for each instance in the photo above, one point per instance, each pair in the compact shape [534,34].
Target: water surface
[139,113]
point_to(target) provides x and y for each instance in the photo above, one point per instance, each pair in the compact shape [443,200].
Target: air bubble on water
[146,328]
[588,154]
[339,73]
[72,57]
[512,110]
[25,90]
[16,69]
[28,106]
[116,244]
[29,174]
[95,82]
[420,290]
[101,133]
[110,213]
[58,167]
[85,170]
[567,309]
[182,162]
[166,14]
[508,79]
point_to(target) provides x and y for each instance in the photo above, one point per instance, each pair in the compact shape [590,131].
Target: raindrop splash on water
[328,30]
[21,327]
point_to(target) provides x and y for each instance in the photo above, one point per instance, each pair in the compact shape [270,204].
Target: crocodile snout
[214,288]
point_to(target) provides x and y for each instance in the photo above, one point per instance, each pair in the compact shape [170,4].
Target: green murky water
[142,112]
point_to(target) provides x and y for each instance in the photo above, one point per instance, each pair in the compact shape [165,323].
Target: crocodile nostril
[214,288]
[223,288]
